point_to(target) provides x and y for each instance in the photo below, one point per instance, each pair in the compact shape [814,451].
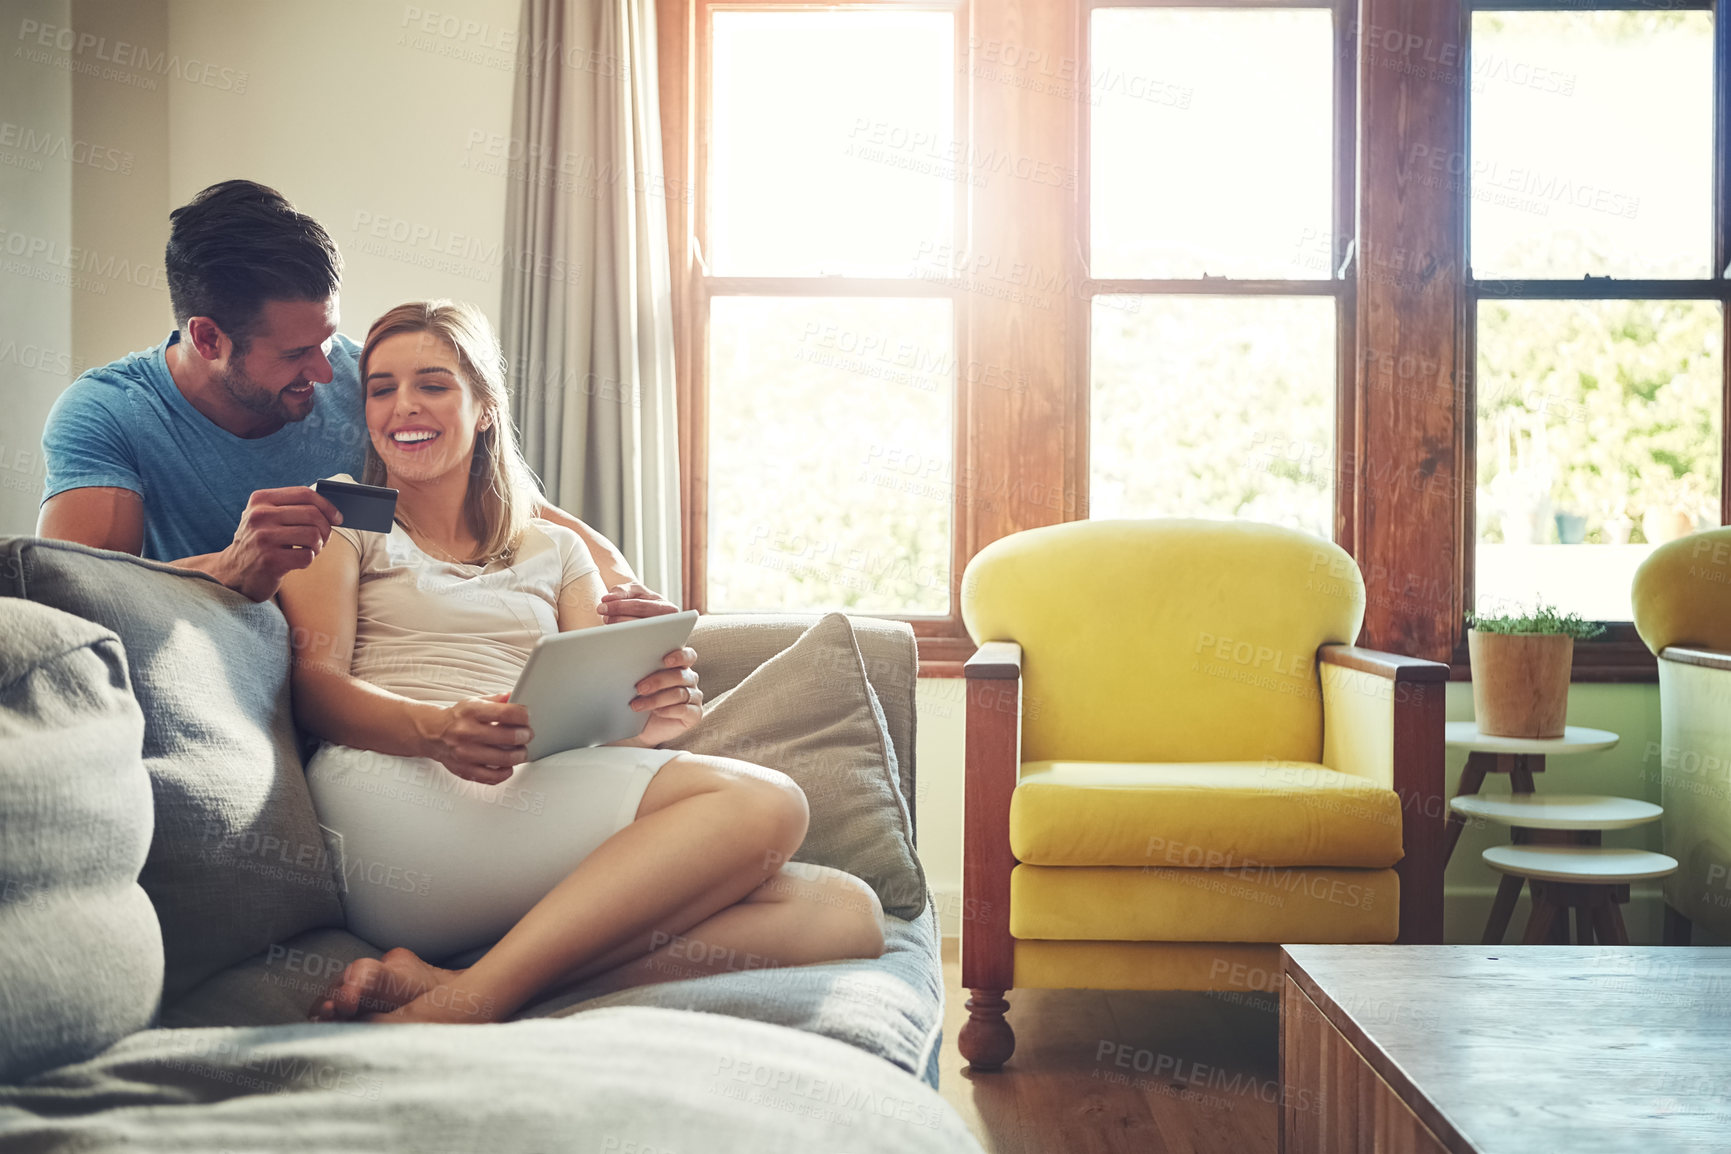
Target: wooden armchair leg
[986,1040]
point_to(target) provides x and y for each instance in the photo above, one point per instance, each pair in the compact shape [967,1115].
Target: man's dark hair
[238,244]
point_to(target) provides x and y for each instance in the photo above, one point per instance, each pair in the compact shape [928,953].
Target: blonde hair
[502,493]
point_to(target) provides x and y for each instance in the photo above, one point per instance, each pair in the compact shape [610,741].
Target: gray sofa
[169,913]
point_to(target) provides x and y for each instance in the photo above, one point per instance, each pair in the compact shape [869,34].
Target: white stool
[1548,819]
[1519,757]
[1565,811]
[1592,880]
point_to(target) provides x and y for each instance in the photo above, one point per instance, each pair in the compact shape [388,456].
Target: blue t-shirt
[128,426]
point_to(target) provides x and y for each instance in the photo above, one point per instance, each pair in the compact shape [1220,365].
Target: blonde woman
[627,860]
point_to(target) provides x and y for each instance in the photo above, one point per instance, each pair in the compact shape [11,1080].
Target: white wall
[119,220]
[35,238]
[940,704]
[386,123]
[367,120]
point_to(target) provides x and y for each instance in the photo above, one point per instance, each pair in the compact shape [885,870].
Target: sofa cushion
[237,861]
[625,1079]
[1213,815]
[80,951]
[275,988]
[1244,904]
[892,1006]
[730,645]
[810,712]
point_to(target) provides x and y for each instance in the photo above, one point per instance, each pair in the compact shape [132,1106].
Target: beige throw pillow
[810,712]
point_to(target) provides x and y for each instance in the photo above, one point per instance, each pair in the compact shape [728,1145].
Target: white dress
[429,860]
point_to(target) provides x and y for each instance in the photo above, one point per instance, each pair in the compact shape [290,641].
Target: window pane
[1211,142]
[830,433]
[1592,144]
[1598,437]
[833,142]
[1214,407]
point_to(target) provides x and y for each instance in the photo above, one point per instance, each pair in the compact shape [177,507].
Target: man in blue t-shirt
[199,451]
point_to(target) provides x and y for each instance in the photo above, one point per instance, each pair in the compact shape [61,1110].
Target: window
[1218,275]
[831,174]
[1597,298]
[1453,293]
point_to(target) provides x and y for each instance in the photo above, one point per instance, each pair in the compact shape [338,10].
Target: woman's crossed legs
[695,885]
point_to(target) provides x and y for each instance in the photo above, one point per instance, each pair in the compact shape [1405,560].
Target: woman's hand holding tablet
[578,686]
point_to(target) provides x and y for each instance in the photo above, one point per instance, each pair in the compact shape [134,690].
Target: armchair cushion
[1219,815]
[1242,904]
[1202,646]
[1682,592]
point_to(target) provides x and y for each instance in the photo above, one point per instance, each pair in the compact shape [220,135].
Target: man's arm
[280,531]
[626,596]
[107,518]
[98,494]
[615,570]
[103,518]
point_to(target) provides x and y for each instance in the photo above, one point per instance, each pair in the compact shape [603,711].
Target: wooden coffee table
[1505,1050]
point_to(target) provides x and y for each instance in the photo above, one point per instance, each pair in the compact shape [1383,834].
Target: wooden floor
[1097,1072]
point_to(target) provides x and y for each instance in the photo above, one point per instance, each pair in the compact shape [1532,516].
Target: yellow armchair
[1176,761]
[1682,605]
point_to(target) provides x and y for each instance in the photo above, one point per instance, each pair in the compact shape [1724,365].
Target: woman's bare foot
[447,1002]
[379,985]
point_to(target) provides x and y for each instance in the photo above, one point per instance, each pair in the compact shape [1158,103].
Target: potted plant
[1520,664]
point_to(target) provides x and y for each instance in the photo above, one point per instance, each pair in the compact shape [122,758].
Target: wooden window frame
[1618,655]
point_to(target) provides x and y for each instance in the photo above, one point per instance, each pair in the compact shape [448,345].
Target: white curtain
[588,308]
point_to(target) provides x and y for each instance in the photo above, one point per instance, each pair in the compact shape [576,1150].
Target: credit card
[369,508]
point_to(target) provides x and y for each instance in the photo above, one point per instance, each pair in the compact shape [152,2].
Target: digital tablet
[579,685]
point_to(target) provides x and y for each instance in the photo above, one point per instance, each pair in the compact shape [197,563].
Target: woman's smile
[413,438]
